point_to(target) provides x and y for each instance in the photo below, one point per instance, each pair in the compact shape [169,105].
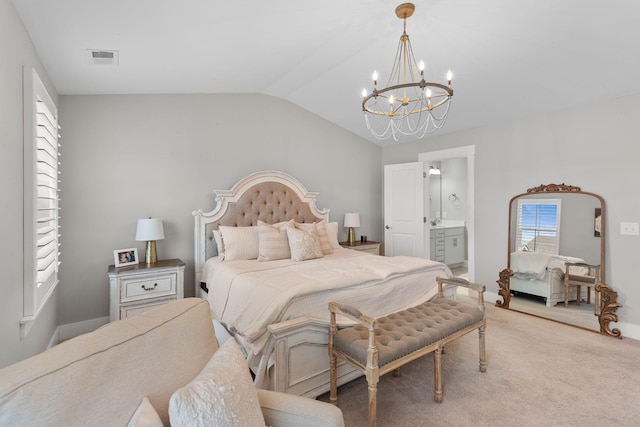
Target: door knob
[387,227]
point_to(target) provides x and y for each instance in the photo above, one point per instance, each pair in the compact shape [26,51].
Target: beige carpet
[540,373]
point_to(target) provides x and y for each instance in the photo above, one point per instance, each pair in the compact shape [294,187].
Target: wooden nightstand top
[358,244]
[164,263]
[369,246]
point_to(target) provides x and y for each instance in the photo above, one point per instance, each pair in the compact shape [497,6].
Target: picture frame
[124,257]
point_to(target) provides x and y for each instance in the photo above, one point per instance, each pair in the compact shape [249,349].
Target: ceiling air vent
[103,57]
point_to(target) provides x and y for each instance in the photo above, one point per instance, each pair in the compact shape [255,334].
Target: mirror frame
[609,297]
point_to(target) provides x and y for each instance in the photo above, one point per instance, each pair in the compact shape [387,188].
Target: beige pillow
[222,394]
[239,242]
[145,416]
[332,232]
[321,228]
[217,236]
[304,245]
[273,242]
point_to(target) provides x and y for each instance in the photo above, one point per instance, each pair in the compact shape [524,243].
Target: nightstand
[137,288]
[369,247]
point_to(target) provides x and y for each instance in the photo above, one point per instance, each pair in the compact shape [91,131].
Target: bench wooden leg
[396,373]
[483,357]
[333,382]
[373,388]
[437,375]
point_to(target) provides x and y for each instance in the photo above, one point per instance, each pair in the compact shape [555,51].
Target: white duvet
[534,266]
[248,296]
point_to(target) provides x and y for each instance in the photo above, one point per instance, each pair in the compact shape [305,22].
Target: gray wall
[16,52]
[594,148]
[133,156]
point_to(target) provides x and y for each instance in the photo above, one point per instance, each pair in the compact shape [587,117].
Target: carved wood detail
[608,305]
[554,188]
[504,292]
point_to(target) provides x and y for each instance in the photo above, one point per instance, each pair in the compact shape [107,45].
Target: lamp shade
[149,229]
[352,219]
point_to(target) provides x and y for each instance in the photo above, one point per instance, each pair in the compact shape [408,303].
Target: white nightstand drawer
[373,250]
[134,288]
[130,310]
[148,287]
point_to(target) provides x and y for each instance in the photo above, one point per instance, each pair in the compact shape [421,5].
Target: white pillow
[222,394]
[304,245]
[273,242]
[239,242]
[217,236]
[332,232]
[321,228]
[145,416]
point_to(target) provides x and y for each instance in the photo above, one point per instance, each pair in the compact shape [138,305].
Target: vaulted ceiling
[510,58]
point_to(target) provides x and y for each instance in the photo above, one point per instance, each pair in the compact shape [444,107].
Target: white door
[404,209]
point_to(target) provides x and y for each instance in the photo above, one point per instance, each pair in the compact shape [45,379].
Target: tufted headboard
[269,196]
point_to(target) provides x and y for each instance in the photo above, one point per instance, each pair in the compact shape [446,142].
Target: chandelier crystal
[407,105]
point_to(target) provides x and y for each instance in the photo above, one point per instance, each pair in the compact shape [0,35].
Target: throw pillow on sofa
[145,416]
[222,394]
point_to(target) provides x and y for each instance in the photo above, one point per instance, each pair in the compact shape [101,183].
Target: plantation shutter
[41,199]
[47,204]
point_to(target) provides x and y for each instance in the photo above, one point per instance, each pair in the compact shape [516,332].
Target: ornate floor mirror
[556,258]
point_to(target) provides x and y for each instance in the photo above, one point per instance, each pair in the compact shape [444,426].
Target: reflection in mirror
[556,261]
[435,193]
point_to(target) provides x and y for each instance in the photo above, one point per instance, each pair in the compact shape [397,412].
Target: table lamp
[150,230]
[351,221]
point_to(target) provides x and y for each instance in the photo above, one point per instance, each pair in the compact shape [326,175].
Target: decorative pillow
[273,242]
[239,242]
[321,228]
[304,245]
[332,232]
[145,416]
[325,244]
[217,236]
[222,394]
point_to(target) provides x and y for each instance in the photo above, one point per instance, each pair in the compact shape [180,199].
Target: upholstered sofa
[103,378]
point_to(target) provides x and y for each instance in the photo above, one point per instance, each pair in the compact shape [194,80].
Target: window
[41,200]
[538,228]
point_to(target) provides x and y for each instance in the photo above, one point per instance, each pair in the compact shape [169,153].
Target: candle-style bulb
[364,93]
[449,77]
[421,67]
[375,77]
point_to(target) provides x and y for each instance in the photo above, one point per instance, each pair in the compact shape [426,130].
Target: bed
[276,305]
[542,275]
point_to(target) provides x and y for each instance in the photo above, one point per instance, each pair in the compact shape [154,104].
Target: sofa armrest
[282,410]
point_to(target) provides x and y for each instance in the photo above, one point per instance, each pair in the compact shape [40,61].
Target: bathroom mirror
[553,228]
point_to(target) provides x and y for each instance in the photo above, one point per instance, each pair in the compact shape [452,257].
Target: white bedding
[534,266]
[248,296]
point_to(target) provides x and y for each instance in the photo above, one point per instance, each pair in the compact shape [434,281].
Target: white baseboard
[628,330]
[55,338]
[70,330]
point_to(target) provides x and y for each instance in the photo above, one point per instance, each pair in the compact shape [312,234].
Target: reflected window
[538,228]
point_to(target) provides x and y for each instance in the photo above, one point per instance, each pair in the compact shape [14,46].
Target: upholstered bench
[378,346]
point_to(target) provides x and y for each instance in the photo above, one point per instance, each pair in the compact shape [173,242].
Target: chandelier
[407,105]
